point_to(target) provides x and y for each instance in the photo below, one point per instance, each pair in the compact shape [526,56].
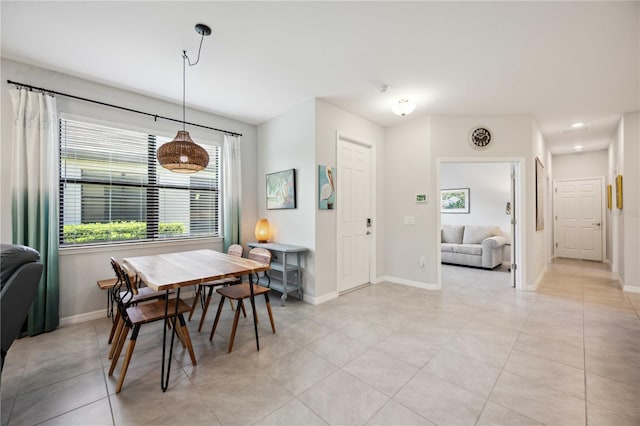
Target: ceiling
[562,62]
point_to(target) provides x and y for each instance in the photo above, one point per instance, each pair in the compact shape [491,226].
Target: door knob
[596,224]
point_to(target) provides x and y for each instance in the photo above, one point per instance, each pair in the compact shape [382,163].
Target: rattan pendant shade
[183,155]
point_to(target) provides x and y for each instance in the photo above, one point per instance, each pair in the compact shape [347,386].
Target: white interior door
[354,216]
[578,230]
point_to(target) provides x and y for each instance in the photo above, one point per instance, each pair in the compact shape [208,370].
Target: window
[113,189]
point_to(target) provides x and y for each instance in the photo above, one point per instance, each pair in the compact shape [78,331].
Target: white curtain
[232,190]
[34,191]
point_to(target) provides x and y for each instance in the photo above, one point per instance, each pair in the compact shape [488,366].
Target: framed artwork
[619,192]
[539,195]
[326,188]
[281,190]
[454,200]
[609,197]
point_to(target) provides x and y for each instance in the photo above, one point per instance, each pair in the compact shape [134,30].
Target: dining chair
[136,315]
[233,250]
[242,291]
[127,296]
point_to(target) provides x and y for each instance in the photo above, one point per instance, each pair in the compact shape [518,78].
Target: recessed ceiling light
[578,147]
[577,125]
[403,107]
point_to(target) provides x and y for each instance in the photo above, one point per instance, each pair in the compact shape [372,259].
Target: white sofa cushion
[447,247]
[476,234]
[474,249]
[452,234]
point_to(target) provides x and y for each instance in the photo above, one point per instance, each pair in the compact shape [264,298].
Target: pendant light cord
[184,86]
[185,60]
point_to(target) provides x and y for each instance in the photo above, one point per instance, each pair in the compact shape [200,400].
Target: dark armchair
[20,271]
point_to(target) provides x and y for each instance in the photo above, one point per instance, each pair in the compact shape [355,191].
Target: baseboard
[320,299]
[534,286]
[80,318]
[631,288]
[417,284]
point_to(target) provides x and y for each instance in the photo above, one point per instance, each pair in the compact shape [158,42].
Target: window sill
[125,246]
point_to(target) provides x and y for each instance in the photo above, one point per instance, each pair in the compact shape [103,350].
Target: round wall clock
[480,137]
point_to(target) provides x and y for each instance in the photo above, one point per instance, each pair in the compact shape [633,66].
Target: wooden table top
[173,270]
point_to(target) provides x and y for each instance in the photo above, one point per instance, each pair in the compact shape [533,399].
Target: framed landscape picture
[454,200]
[281,190]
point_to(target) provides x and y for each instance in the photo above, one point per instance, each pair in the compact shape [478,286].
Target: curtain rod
[155,116]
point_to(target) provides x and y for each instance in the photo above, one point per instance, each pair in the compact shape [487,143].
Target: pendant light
[182,154]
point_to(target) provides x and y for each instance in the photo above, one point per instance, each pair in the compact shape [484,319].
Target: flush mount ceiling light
[182,154]
[577,125]
[403,107]
[578,147]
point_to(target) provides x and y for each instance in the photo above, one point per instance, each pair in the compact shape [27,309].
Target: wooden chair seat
[241,291]
[142,314]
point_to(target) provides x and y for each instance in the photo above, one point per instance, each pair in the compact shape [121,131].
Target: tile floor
[477,352]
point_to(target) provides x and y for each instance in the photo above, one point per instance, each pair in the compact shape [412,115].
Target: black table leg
[164,379]
[253,308]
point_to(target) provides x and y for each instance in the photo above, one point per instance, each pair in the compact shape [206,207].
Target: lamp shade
[182,155]
[262,231]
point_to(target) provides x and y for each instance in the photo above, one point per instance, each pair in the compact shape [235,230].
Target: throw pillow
[476,234]
[452,234]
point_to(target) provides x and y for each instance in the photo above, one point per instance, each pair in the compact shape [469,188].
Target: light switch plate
[409,220]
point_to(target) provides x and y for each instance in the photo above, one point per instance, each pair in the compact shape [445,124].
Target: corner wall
[288,142]
[412,152]
[329,120]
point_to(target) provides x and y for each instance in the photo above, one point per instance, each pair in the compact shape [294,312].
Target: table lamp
[262,230]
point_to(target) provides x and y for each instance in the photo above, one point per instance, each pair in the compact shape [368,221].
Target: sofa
[472,245]
[20,272]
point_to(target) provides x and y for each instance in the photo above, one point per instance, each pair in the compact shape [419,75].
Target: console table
[279,262]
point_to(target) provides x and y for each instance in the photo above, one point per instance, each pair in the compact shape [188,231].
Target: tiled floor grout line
[584,354]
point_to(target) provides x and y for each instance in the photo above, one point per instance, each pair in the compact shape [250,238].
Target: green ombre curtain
[232,190]
[34,196]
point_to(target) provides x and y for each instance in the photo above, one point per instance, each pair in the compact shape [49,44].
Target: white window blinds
[113,189]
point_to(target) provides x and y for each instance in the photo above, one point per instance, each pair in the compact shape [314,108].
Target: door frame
[603,213]
[346,137]
[519,272]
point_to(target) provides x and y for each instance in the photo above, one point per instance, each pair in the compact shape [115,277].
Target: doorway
[502,206]
[578,224]
[356,223]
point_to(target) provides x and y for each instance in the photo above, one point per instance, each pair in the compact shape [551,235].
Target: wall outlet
[422,261]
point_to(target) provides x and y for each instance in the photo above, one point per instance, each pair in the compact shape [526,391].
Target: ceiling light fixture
[403,107]
[577,125]
[578,147]
[182,154]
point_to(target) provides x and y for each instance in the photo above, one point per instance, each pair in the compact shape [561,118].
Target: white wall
[412,154]
[81,268]
[408,171]
[329,120]
[631,201]
[580,165]
[489,191]
[288,142]
[540,243]
[615,219]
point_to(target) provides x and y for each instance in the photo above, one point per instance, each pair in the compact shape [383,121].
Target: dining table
[173,271]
